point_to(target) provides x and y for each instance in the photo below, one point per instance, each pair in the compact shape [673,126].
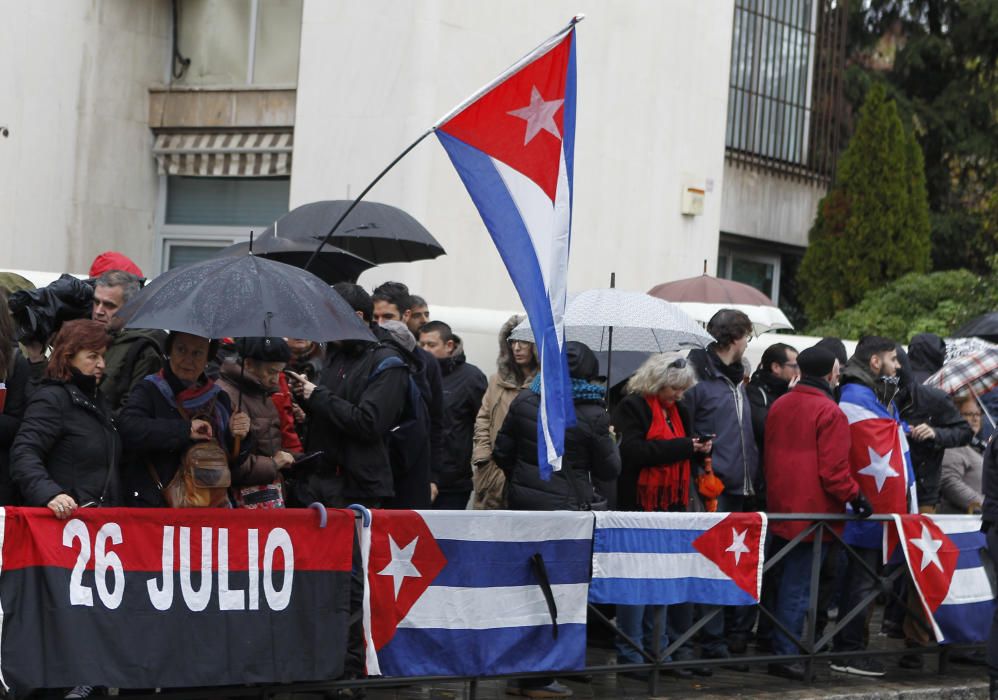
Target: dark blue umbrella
[244,296]
[332,265]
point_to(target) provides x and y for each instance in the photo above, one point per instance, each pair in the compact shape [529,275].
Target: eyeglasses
[972,414]
[791,365]
[678,363]
[514,343]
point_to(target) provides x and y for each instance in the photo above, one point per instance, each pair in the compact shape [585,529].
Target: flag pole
[547,44]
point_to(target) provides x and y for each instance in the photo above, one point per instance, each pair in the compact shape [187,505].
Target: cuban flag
[475,593]
[943,553]
[512,144]
[879,459]
[665,558]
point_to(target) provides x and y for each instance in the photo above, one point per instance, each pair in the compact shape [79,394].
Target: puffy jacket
[264,439]
[489,482]
[349,417]
[15,401]
[67,444]
[807,457]
[923,404]
[719,406]
[631,421]
[589,450]
[960,485]
[131,356]
[155,434]
[463,386]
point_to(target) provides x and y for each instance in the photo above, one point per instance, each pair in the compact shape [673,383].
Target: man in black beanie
[807,471]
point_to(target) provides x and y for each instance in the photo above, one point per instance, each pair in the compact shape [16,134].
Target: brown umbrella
[703,296]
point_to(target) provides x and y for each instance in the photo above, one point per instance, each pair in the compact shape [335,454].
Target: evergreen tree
[872,227]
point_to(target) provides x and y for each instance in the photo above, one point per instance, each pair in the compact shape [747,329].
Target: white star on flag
[738,545]
[879,467]
[539,116]
[401,564]
[930,549]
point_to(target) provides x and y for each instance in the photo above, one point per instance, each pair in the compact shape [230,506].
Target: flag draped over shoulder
[513,146]
[943,553]
[879,459]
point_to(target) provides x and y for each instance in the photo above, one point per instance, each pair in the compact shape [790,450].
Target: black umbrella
[332,265]
[244,297]
[377,232]
[984,326]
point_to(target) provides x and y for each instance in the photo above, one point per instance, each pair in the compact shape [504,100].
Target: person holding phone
[659,453]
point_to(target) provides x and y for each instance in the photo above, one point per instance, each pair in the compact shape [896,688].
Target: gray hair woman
[656,452]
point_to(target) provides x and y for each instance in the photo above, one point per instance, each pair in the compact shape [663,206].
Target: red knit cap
[113,260]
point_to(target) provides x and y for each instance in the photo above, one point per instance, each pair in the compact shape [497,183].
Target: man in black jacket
[358,399]
[776,374]
[463,388]
[989,525]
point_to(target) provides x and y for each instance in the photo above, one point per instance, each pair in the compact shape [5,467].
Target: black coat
[349,417]
[631,421]
[154,433]
[989,485]
[15,402]
[590,452]
[464,385]
[762,391]
[67,444]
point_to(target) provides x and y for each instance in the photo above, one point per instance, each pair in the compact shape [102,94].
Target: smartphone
[705,437]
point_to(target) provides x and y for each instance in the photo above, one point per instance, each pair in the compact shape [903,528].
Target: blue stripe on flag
[644,540]
[430,652]
[473,563]
[966,622]
[970,544]
[643,591]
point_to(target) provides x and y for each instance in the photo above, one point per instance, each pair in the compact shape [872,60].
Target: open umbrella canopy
[377,232]
[332,265]
[974,373]
[703,296]
[984,326]
[241,297]
[640,323]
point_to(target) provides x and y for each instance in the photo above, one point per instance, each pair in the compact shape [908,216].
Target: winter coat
[349,417]
[464,386]
[989,485]
[807,457]
[927,353]
[764,388]
[631,421]
[67,444]
[960,484]
[131,356]
[156,435]
[489,482]
[589,450]
[416,444]
[15,401]
[922,404]
[717,405]
[264,439]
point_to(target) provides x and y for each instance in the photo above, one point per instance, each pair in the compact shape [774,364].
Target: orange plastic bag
[709,486]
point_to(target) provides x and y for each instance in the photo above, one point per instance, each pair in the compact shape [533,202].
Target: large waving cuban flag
[473,593]
[943,553]
[512,144]
[880,462]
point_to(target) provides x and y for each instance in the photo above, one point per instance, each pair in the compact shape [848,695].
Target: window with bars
[785,86]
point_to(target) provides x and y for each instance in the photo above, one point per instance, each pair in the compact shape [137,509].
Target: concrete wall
[76,173]
[765,206]
[653,80]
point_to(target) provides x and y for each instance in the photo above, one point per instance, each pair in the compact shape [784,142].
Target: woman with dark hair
[66,452]
[170,411]
[14,376]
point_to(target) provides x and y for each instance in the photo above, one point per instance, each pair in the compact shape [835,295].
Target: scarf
[198,398]
[582,390]
[664,487]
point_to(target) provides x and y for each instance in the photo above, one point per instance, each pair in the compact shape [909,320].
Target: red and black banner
[148,598]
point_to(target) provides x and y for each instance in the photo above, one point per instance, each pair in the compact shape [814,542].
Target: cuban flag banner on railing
[512,144]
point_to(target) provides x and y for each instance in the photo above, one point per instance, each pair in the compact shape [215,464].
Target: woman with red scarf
[657,453]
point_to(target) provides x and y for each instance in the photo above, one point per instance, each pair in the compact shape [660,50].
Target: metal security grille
[786,85]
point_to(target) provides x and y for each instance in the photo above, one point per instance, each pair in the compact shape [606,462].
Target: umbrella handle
[236,444]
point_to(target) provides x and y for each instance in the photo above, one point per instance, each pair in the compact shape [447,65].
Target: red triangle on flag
[403,562]
[520,122]
[734,545]
[877,464]
[932,558]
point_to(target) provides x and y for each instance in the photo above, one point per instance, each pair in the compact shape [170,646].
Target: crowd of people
[105,416]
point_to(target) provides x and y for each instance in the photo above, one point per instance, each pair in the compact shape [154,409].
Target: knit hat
[113,260]
[816,362]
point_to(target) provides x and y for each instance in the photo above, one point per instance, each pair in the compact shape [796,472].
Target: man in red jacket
[807,471]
